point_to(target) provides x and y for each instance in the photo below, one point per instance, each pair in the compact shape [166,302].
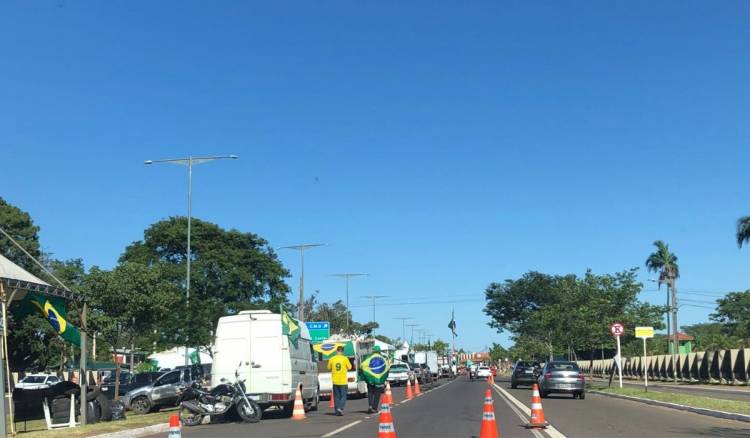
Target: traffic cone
[385,425]
[537,413]
[330,401]
[409,394]
[417,391]
[489,426]
[388,396]
[299,409]
[174,426]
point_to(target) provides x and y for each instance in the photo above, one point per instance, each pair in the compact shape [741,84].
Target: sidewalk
[724,392]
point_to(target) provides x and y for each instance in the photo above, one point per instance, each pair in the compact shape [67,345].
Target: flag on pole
[290,327]
[452,324]
[54,311]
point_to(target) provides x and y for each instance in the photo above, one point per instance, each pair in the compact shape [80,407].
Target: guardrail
[728,367]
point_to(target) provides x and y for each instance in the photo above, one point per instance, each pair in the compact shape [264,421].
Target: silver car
[562,377]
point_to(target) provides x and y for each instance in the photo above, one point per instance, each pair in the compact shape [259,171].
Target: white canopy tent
[15,283]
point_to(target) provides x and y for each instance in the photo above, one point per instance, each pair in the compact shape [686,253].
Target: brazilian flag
[53,309]
[328,348]
[290,327]
[374,369]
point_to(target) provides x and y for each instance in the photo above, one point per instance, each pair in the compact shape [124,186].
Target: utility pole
[411,342]
[347,276]
[301,249]
[676,346]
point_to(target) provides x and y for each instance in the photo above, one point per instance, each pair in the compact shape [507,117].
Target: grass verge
[38,428]
[734,406]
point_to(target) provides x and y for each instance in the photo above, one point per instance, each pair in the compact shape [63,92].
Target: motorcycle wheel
[190,418]
[250,413]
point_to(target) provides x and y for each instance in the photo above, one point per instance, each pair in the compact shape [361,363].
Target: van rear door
[266,373]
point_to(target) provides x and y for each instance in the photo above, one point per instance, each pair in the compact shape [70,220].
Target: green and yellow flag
[53,309]
[290,327]
[374,368]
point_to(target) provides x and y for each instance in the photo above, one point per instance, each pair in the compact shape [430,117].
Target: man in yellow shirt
[339,365]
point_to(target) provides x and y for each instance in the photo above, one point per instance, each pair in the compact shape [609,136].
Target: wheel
[140,406]
[287,409]
[249,411]
[190,418]
[582,395]
[105,405]
[93,412]
[315,400]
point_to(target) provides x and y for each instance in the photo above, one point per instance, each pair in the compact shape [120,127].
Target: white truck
[272,365]
[355,350]
[430,358]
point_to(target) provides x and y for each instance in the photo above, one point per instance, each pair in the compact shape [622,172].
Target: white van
[272,365]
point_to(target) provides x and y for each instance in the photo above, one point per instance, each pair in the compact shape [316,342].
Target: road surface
[454,409]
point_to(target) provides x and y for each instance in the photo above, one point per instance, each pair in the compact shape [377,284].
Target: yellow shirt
[339,365]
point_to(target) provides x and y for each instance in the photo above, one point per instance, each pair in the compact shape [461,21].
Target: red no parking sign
[617,329]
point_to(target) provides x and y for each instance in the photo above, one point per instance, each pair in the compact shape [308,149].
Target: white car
[36,381]
[400,373]
[484,371]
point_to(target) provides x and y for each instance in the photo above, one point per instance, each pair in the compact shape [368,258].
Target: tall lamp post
[347,276]
[403,325]
[189,162]
[411,342]
[373,298]
[302,248]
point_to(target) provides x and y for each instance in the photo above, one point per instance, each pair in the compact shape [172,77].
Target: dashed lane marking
[341,429]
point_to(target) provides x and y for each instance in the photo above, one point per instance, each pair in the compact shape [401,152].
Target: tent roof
[15,277]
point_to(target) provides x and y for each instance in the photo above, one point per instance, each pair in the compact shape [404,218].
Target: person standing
[338,365]
[374,371]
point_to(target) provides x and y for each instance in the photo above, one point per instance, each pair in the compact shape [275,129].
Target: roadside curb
[138,432]
[701,411]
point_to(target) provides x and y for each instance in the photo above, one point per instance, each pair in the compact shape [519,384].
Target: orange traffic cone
[409,394]
[174,426]
[330,401]
[537,413]
[299,409]
[417,391]
[489,426]
[385,425]
[388,396]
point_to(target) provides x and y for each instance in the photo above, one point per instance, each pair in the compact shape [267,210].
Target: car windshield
[399,368]
[34,379]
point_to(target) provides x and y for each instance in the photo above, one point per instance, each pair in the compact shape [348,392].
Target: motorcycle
[197,403]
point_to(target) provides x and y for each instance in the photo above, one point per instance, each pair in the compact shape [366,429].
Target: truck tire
[315,401]
[105,406]
[140,405]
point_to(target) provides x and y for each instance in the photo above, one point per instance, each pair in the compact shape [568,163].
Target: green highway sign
[319,330]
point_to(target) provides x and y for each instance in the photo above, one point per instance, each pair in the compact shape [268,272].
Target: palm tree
[743,230]
[665,262]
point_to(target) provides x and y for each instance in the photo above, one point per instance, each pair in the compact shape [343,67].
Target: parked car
[426,373]
[419,372]
[162,392]
[128,382]
[483,372]
[562,377]
[36,381]
[400,373]
[524,373]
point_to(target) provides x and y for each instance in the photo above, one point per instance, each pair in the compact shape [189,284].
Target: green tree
[712,336]
[743,230]
[129,300]
[664,262]
[498,353]
[19,225]
[441,346]
[734,312]
[231,271]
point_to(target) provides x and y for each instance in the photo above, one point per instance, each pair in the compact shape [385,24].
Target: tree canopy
[733,310]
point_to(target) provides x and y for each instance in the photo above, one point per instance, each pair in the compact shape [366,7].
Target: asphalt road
[454,409]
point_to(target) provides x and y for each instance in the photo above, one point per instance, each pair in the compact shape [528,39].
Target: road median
[719,408]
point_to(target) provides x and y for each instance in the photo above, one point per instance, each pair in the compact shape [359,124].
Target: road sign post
[644,333]
[617,330]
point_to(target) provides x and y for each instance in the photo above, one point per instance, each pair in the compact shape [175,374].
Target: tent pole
[6,366]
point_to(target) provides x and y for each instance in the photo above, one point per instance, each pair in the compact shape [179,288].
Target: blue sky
[437,146]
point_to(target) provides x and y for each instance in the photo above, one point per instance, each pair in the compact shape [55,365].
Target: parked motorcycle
[196,403]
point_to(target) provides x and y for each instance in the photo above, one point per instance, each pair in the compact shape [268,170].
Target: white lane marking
[341,429]
[550,430]
[523,417]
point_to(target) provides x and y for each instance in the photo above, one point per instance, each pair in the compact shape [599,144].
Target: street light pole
[403,326]
[412,333]
[301,249]
[373,298]
[189,161]
[347,276]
